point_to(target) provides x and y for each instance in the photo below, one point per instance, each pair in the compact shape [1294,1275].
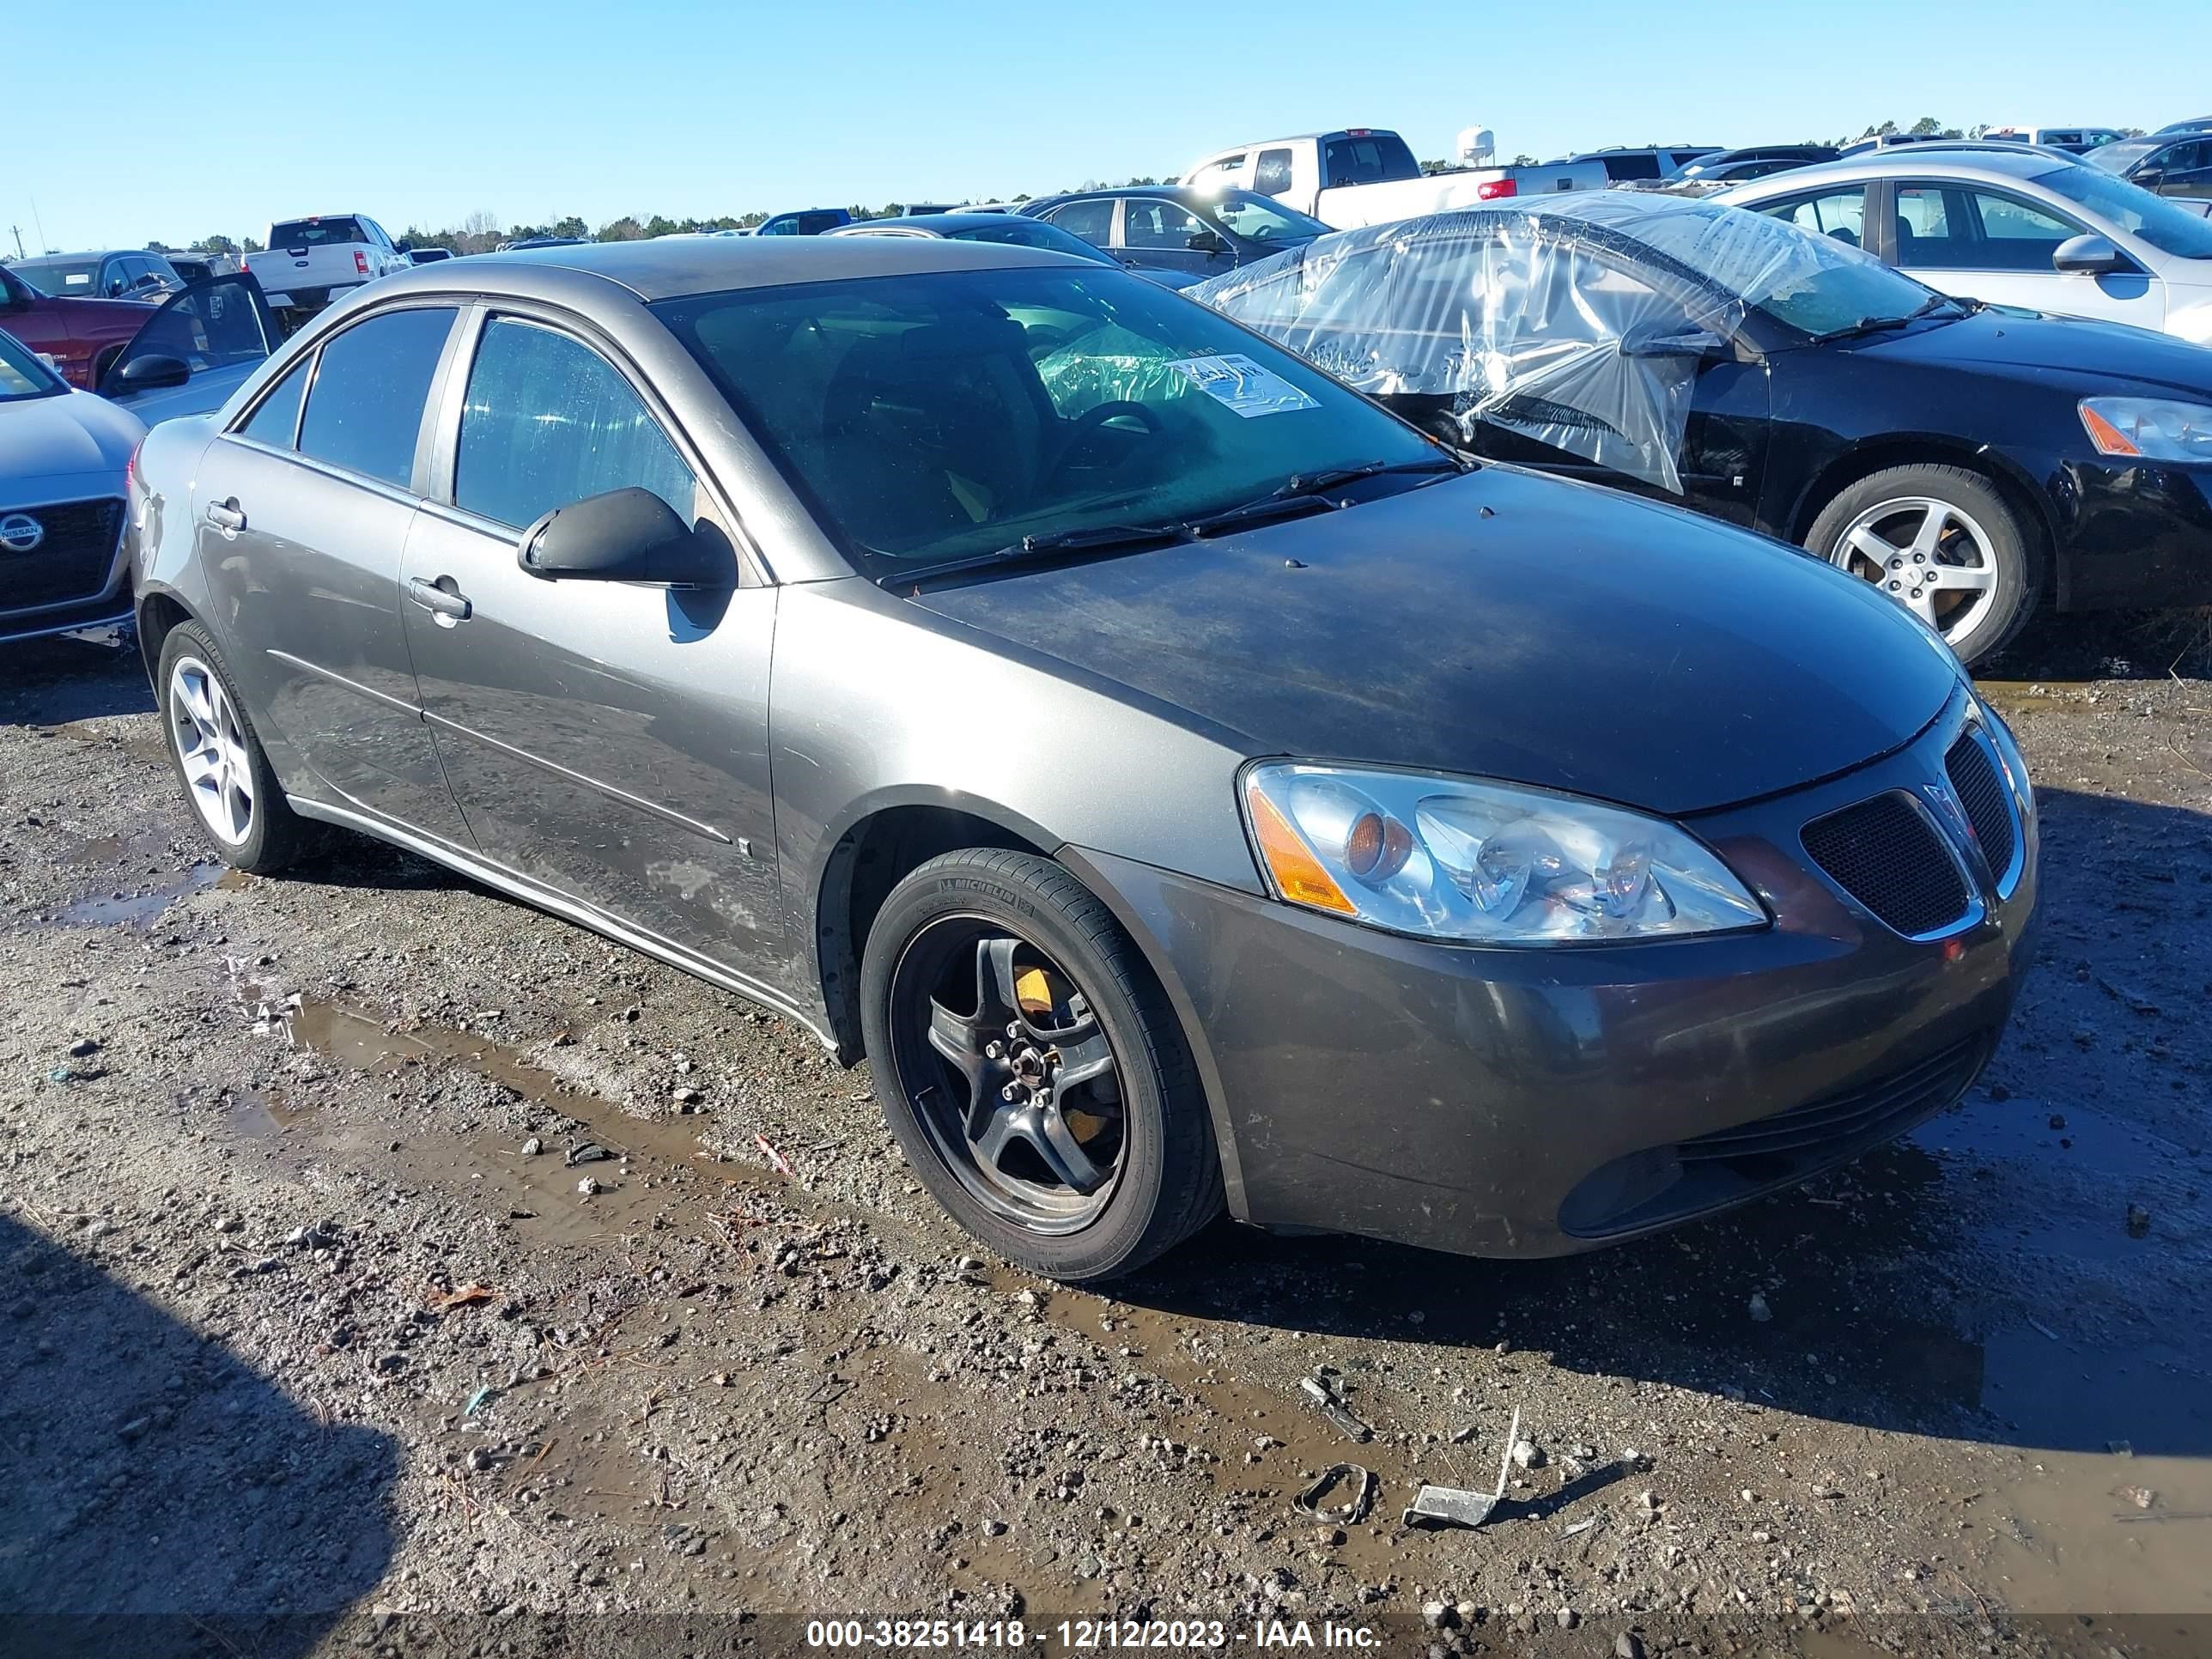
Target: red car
[79,335]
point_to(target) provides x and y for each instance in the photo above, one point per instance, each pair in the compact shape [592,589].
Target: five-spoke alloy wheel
[225,775]
[1032,1069]
[1941,541]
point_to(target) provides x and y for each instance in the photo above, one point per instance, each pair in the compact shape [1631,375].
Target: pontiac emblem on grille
[1952,814]
[21,533]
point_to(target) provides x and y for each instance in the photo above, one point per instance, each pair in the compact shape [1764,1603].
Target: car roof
[1993,163]
[87,254]
[670,267]
[937,224]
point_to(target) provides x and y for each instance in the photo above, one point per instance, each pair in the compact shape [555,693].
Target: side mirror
[152,374]
[625,535]
[2089,256]
[1698,344]
[1205,241]
[2148,179]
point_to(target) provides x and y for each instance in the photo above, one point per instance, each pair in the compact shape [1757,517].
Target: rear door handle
[226,516]
[439,598]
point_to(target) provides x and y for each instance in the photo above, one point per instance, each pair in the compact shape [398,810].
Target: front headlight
[1485,863]
[2148,429]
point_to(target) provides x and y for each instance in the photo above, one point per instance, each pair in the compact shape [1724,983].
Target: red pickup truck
[79,335]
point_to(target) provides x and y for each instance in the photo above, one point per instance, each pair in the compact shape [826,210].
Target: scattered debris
[1760,1313]
[482,1397]
[1582,1525]
[1527,1454]
[589,1151]
[467,1296]
[777,1160]
[1351,1511]
[587,1187]
[1322,1391]
[1454,1507]
[2138,1221]
[532,1146]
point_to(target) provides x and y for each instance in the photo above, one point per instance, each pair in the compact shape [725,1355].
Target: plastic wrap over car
[1579,323]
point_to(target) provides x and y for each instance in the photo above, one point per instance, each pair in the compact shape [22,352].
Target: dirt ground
[311,1340]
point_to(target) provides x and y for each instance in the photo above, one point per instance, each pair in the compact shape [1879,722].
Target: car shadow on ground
[1982,1279]
[52,682]
[161,1498]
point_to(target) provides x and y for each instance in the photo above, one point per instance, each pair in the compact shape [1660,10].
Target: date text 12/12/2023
[1085,1635]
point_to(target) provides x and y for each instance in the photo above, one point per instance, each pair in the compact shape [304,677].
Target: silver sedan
[2013,227]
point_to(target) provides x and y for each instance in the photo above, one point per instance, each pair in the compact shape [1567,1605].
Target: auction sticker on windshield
[1241,384]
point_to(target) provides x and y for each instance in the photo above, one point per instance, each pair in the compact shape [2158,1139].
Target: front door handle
[441,599]
[226,516]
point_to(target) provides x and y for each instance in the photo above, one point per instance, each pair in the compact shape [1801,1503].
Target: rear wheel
[1032,1071]
[1943,543]
[219,760]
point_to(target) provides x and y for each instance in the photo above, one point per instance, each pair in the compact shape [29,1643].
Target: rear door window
[1635,165]
[549,421]
[1930,226]
[1092,221]
[1271,174]
[1152,223]
[365,410]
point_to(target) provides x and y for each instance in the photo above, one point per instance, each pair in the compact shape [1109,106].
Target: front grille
[1666,1184]
[1886,854]
[72,563]
[1981,790]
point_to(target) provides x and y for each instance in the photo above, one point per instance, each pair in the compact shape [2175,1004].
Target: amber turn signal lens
[2108,438]
[1298,875]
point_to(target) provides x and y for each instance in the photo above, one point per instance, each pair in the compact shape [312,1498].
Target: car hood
[50,447]
[1503,625]
[2028,345]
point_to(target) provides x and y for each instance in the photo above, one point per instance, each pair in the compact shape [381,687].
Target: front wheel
[1943,543]
[1031,1068]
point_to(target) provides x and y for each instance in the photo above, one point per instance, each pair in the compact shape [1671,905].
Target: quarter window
[278,417]
[366,408]
[549,421]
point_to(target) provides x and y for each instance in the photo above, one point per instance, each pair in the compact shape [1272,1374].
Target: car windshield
[2118,158]
[1257,219]
[60,278]
[1013,228]
[2166,225]
[22,375]
[315,233]
[939,416]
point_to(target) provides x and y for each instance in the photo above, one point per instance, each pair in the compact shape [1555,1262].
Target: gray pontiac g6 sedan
[1188,784]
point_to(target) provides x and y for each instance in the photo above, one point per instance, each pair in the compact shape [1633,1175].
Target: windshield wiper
[1875,325]
[1309,492]
[1093,538]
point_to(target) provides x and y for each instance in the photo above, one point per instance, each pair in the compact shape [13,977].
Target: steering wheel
[1087,424]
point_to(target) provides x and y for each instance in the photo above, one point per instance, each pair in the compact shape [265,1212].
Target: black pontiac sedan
[1971,462]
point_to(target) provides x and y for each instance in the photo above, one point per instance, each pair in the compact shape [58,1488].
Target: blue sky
[422,113]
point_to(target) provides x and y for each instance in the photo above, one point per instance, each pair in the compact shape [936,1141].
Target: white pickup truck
[309,261]
[1368,176]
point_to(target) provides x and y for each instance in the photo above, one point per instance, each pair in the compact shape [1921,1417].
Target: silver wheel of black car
[1031,1068]
[1941,541]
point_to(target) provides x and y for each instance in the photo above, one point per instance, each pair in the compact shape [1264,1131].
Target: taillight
[130,466]
[1496,190]
[360,262]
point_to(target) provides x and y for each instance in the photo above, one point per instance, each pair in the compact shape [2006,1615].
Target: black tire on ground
[1170,1181]
[278,835]
[2013,546]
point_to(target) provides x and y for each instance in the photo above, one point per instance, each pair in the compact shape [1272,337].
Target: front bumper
[1525,1103]
[2134,535]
